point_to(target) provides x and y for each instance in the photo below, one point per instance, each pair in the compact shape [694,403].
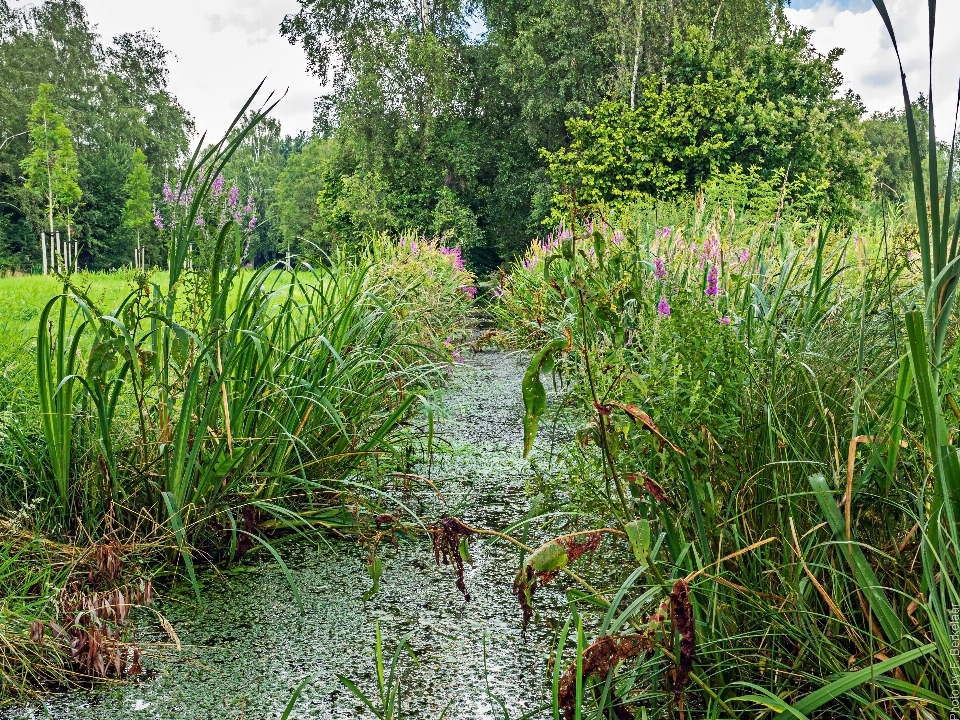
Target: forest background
[435,126]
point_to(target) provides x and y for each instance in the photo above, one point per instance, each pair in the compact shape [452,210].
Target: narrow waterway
[247,647]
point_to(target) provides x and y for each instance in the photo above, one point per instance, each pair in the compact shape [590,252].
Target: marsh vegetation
[691,452]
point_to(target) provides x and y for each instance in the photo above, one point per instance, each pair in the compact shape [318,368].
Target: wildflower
[157,219]
[618,237]
[713,276]
[234,196]
[659,269]
[252,223]
[711,246]
[664,233]
[725,320]
[743,256]
[199,221]
[217,186]
[456,255]
[167,193]
[469,290]
[663,307]
[414,248]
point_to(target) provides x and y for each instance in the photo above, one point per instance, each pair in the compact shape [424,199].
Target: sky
[869,65]
[223,48]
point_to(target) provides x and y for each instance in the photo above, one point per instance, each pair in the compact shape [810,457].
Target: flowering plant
[220,206]
[426,284]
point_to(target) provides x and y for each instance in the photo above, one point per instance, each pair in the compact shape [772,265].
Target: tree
[138,209]
[112,96]
[450,126]
[776,111]
[295,196]
[51,168]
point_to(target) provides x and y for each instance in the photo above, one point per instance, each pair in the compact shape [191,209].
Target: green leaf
[375,569]
[850,680]
[638,532]
[534,394]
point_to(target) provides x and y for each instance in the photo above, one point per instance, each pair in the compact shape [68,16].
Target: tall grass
[213,400]
[797,504]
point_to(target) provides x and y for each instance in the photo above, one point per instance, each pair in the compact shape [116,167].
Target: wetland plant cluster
[769,421]
[211,408]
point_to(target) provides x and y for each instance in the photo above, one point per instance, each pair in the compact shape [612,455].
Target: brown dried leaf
[599,659]
[681,617]
[638,415]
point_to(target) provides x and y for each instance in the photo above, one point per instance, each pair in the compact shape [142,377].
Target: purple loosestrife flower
[217,186]
[234,196]
[157,218]
[711,246]
[713,277]
[469,290]
[725,320]
[663,307]
[659,269]
[618,237]
[664,233]
[414,247]
[455,255]
[743,257]
[253,222]
[168,196]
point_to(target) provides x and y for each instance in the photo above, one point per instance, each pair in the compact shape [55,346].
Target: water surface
[247,647]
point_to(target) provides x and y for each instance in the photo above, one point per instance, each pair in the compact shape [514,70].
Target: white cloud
[869,64]
[223,49]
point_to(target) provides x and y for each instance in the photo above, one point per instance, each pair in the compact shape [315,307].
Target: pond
[247,647]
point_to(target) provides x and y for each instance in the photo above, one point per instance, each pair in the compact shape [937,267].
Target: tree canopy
[776,110]
[112,98]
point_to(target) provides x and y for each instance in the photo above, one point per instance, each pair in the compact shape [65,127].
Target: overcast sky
[869,64]
[224,47]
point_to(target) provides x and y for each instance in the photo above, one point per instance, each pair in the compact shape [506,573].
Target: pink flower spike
[713,277]
[663,307]
[659,268]
[725,320]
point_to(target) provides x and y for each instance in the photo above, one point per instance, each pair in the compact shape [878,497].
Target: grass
[767,450]
[197,413]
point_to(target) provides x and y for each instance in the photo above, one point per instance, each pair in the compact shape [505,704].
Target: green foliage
[443,129]
[886,135]
[51,167]
[138,209]
[106,242]
[112,96]
[204,395]
[772,112]
[296,196]
[770,354]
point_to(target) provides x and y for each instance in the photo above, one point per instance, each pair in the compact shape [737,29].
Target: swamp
[583,362]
